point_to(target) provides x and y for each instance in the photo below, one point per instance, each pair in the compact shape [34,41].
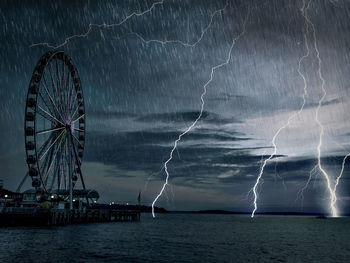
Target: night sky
[140,95]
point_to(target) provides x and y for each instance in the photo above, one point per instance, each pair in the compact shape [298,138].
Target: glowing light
[273,141]
[213,69]
[332,193]
[334,200]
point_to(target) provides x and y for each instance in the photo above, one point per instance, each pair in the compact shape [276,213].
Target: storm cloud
[140,96]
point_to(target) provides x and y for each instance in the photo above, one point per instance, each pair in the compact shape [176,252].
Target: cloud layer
[140,96]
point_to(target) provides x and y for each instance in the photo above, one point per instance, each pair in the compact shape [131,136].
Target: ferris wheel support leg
[78,162]
[70,184]
[22,182]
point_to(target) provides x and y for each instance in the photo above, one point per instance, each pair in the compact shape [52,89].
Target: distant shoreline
[223,212]
[161,210]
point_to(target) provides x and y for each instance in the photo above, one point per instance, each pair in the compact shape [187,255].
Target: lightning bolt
[163,42]
[303,13]
[91,26]
[189,128]
[291,117]
[331,190]
[308,22]
[176,41]
[334,200]
[191,45]
[302,190]
[337,180]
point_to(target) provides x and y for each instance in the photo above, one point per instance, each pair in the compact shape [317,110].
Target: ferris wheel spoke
[51,139]
[55,89]
[76,129]
[71,158]
[52,144]
[78,161]
[49,130]
[72,104]
[62,168]
[44,83]
[76,110]
[51,100]
[54,157]
[45,114]
[53,180]
[74,150]
[44,162]
[75,138]
[50,159]
[71,91]
[63,75]
[53,162]
[62,159]
[56,173]
[43,167]
[81,116]
[42,147]
[69,161]
[66,78]
[67,88]
[72,98]
[59,85]
[46,103]
[60,176]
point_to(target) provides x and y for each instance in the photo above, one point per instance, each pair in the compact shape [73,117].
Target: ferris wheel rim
[57,116]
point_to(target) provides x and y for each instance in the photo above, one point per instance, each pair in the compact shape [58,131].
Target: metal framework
[55,125]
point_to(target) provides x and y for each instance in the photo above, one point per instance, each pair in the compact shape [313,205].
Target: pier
[58,195]
[16,216]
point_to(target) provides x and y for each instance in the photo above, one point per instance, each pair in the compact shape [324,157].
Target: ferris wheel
[55,124]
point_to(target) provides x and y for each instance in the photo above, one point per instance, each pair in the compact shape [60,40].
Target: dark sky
[141,95]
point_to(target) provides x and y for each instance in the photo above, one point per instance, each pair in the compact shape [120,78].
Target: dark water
[184,238]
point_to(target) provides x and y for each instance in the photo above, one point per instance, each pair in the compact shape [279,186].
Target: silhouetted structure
[54,129]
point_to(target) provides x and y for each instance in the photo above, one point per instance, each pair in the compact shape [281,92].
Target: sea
[183,238]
